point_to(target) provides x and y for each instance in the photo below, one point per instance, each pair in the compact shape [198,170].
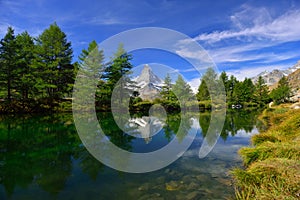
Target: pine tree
[92,65]
[261,94]
[243,92]
[8,64]
[232,82]
[208,86]
[166,91]
[182,90]
[117,75]
[54,72]
[25,56]
[91,60]
[119,67]
[247,90]
[225,81]
[282,93]
[203,93]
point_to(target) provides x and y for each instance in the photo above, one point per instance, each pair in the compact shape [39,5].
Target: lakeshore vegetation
[273,163]
[37,75]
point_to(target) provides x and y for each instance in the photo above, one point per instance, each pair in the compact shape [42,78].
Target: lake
[42,157]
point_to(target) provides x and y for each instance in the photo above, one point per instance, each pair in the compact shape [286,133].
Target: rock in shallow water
[172,185]
[192,195]
[144,187]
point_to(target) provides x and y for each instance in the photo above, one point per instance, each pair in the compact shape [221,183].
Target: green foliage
[207,85]
[167,92]
[40,70]
[91,64]
[231,84]
[117,77]
[182,90]
[8,65]
[142,106]
[203,93]
[91,61]
[212,88]
[282,93]
[34,69]
[261,94]
[52,63]
[26,84]
[243,92]
[224,79]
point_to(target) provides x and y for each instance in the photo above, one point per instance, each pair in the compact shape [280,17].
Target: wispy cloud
[192,69]
[263,27]
[237,55]
[251,41]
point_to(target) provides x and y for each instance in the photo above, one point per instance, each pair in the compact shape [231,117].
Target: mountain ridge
[271,78]
[149,84]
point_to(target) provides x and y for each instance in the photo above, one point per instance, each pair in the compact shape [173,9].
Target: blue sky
[242,37]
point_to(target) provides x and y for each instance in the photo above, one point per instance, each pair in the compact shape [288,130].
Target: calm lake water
[42,157]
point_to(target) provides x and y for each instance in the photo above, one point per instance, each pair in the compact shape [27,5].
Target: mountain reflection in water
[42,157]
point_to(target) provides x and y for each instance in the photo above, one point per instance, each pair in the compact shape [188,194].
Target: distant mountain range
[149,84]
[274,76]
[292,74]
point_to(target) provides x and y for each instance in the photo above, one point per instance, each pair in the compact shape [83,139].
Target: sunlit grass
[273,164]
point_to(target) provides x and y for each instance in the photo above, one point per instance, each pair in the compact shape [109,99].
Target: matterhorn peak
[149,83]
[148,76]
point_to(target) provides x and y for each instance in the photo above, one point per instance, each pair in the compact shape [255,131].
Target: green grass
[273,164]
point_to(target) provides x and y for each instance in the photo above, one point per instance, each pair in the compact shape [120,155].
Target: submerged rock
[193,186]
[172,185]
[192,195]
[144,187]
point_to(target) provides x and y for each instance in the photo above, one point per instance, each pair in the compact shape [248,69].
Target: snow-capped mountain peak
[149,84]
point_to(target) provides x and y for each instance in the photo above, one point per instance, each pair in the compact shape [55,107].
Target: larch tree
[282,93]
[25,56]
[261,94]
[166,91]
[117,74]
[91,63]
[182,90]
[53,69]
[8,64]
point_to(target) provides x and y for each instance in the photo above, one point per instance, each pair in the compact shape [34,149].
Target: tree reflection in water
[43,150]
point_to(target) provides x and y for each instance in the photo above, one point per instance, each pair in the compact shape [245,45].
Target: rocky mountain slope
[274,76]
[149,84]
[294,81]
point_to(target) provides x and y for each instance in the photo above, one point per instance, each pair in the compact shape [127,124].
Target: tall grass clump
[273,163]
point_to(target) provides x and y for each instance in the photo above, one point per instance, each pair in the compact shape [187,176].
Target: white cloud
[194,83]
[201,55]
[193,69]
[237,54]
[252,30]
[280,29]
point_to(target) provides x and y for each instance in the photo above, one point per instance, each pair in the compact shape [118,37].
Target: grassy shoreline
[272,164]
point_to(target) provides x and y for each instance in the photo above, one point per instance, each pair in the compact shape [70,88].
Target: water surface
[42,157]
